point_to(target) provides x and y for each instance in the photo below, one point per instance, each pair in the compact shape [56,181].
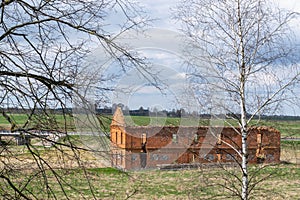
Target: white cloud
[293,5]
[168,62]
[160,10]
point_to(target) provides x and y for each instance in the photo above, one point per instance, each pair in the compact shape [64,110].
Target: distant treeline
[146,112]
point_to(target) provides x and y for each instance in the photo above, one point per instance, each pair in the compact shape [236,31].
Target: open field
[290,152]
[51,121]
[288,128]
[97,181]
[108,183]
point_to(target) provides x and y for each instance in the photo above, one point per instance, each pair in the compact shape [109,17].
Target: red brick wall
[263,142]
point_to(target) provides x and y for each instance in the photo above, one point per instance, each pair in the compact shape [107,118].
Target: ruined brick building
[137,147]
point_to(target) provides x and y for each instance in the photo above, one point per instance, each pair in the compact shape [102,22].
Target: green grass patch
[109,183]
[107,171]
[38,121]
[288,128]
[290,143]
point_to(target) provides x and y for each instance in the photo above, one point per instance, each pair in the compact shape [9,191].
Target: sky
[164,54]
[162,10]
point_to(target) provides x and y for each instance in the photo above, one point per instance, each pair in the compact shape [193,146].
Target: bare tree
[251,48]
[42,47]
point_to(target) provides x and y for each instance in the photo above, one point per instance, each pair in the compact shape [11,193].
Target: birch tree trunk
[243,121]
[244,133]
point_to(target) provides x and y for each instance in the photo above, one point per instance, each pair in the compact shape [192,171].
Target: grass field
[108,183]
[50,121]
[288,128]
[290,151]
[97,182]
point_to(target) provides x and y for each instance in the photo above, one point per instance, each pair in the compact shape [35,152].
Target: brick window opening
[116,137]
[144,142]
[209,157]
[121,137]
[219,155]
[260,154]
[196,137]
[174,138]
[229,157]
[219,142]
[259,139]
[143,138]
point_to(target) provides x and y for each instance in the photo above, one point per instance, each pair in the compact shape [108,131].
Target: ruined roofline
[259,128]
[119,120]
